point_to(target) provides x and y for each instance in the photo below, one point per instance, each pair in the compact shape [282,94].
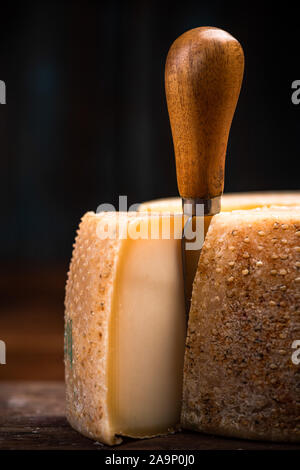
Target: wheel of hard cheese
[241,374]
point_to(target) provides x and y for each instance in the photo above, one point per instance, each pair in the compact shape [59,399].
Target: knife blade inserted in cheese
[203,77]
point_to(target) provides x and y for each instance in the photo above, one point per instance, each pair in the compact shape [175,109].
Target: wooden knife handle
[203,77]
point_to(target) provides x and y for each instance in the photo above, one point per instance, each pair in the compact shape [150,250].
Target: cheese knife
[203,77]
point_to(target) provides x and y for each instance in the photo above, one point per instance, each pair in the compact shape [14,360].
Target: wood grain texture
[203,76]
[32,417]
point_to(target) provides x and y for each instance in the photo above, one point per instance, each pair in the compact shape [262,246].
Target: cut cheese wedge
[230,201]
[239,376]
[125,327]
[125,324]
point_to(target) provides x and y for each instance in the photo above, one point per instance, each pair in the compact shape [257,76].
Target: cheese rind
[88,305]
[239,379]
[125,311]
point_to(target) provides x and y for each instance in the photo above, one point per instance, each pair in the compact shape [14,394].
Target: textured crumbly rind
[88,305]
[239,379]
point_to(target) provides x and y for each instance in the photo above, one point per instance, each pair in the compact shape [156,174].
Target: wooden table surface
[32,418]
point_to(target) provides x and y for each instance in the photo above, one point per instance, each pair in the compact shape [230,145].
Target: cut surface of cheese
[230,201]
[125,329]
[239,377]
[125,324]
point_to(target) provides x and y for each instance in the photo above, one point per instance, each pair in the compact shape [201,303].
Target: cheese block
[125,327]
[239,376]
[230,201]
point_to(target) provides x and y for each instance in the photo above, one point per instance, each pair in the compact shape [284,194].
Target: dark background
[86,120]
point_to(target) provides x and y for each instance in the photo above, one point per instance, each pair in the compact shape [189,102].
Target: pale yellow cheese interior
[147,337]
[230,201]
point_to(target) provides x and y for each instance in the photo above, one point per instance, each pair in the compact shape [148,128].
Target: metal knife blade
[197,217]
